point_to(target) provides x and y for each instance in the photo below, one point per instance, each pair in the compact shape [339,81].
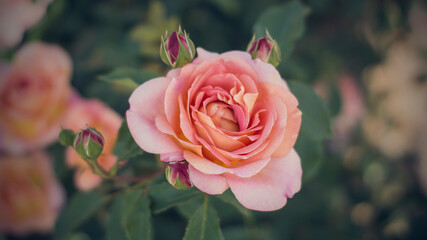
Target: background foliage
[114,44]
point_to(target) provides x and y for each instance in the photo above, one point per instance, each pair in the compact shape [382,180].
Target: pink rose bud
[177,175]
[265,48]
[88,143]
[177,49]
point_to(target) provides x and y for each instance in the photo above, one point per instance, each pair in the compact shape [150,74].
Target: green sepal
[93,150]
[275,56]
[163,52]
[184,56]
[66,137]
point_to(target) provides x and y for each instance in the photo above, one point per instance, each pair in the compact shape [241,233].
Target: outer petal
[148,99]
[293,125]
[148,137]
[210,184]
[203,55]
[236,54]
[268,73]
[207,167]
[147,103]
[270,188]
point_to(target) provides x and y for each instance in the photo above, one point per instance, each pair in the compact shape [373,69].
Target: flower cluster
[36,99]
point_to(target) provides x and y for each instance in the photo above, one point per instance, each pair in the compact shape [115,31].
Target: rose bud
[177,175]
[88,143]
[177,49]
[266,49]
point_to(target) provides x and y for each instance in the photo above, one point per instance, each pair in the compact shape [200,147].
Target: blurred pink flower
[16,16]
[30,195]
[34,93]
[95,114]
[351,112]
[233,119]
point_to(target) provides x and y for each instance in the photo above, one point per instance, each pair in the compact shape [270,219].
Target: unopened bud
[88,143]
[177,49]
[66,137]
[177,175]
[266,49]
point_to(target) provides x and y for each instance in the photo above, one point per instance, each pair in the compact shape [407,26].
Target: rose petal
[147,136]
[146,103]
[210,184]
[208,167]
[203,55]
[293,124]
[268,73]
[148,99]
[270,188]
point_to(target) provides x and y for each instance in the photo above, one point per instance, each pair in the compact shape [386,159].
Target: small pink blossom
[30,195]
[35,91]
[96,115]
[232,118]
[16,16]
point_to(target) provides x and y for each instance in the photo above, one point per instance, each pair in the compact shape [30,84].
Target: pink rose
[16,16]
[351,112]
[30,195]
[34,92]
[233,119]
[95,114]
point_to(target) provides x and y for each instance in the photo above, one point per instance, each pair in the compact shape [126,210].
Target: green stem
[205,211]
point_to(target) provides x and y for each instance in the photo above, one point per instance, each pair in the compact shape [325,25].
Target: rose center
[222,116]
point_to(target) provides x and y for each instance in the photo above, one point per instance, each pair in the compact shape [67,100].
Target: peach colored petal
[238,55]
[147,136]
[146,103]
[293,121]
[210,184]
[185,123]
[86,180]
[172,110]
[270,188]
[207,167]
[238,67]
[163,125]
[203,55]
[148,99]
[268,73]
[293,125]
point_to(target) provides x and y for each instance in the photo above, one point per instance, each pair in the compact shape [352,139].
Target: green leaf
[126,146]
[286,24]
[164,196]
[204,224]
[136,219]
[316,121]
[80,208]
[310,152]
[114,228]
[66,137]
[188,208]
[130,217]
[128,78]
